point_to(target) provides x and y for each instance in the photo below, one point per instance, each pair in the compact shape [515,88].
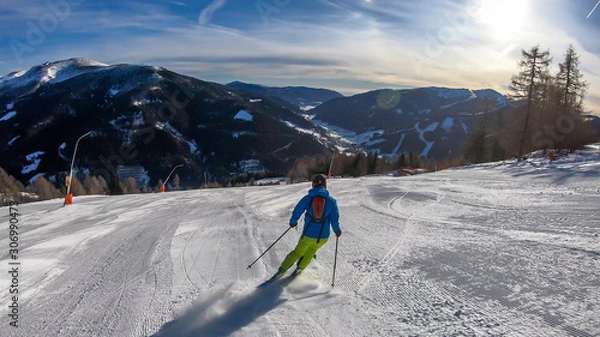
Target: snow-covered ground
[502,249]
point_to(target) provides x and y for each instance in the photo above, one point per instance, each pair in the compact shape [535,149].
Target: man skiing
[321,212]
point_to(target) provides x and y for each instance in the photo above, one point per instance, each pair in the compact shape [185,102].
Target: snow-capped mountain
[146,118]
[28,81]
[433,121]
[299,99]
[149,119]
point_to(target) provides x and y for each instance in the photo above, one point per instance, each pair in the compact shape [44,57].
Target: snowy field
[502,249]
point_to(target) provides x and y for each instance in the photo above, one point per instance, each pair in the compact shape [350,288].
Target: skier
[321,211]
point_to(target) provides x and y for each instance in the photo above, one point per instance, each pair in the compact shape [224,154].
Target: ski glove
[293,225]
[338,233]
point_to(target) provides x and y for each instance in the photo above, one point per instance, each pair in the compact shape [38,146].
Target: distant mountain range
[435,122]
[148,119]
[298,99]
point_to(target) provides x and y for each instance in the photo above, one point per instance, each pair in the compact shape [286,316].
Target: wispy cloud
[350,46]
[207,13]
[178,3]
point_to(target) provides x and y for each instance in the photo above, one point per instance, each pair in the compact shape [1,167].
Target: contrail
[593,9]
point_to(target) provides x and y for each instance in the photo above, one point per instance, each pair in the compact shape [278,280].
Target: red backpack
[318,214]
[318,209]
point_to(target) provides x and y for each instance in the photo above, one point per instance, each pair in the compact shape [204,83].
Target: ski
[269,281]
[276,278]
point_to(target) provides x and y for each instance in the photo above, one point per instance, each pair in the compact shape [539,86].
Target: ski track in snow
[496,250]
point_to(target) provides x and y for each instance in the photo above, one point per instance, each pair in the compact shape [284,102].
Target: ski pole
[335,261]
[271,246]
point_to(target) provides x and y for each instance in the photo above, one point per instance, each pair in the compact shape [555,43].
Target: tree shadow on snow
[556,172]
[224,313]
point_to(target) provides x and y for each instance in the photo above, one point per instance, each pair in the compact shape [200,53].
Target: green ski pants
[305,249]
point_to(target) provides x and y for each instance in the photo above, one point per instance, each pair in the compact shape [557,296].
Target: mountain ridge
[302,98]
[151,117]
[385,120]
[144,116]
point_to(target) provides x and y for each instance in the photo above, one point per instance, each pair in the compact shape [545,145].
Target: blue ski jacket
[331,213]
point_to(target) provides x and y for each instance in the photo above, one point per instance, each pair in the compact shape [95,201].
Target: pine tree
[401,161]
[95,185]
[10,187]
[44,189]
[77,187]
[570,83]
[158,185]
[114,187]
[130,186]
[373,162]
[103,184]
[358,165]
[176,181]
[475,151]
[530,85]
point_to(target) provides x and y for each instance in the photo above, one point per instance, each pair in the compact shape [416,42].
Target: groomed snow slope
[503,249]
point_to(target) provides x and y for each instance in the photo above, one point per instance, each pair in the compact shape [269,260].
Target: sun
[503,17]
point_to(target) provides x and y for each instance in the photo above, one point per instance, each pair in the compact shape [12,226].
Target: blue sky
[351,46]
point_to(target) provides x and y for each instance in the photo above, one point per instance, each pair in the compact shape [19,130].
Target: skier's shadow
[237,315]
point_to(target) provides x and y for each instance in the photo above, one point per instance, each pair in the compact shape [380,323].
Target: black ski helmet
[319,180]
